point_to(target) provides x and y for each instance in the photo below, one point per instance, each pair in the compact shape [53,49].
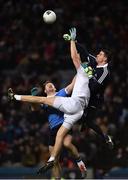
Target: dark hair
[42,84]
[108,54]
[46,82]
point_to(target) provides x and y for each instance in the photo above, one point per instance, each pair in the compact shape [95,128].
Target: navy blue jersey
[98,84]
[100,79]
[55,117]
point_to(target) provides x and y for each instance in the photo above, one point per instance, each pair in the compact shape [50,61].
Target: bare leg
[65,104]
[68,144]
[40,100]
[56,150]
[59,141]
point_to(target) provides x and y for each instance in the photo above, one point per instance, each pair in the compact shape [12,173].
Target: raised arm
[74,54]
[85,56]
[69,88]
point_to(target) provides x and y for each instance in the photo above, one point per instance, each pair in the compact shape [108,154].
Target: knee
[67,142]
[61,133]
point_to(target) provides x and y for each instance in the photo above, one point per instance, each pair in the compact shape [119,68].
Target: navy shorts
[52,135]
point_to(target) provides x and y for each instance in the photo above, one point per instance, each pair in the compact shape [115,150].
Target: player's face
[101,58]
[49,87]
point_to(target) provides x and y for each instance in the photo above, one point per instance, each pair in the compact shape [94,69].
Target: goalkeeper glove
[10,94]
[87,69]
[71,36]
[66,37]
[35,91]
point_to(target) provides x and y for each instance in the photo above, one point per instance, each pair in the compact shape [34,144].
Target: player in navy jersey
[56,118]
[97,85]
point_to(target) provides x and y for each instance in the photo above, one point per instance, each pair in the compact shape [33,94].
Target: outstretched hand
[71,36]
[66,37]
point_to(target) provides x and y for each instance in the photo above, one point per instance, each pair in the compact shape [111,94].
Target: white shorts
[68,105]
[69,120]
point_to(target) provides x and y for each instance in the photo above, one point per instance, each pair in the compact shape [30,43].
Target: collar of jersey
[105,65]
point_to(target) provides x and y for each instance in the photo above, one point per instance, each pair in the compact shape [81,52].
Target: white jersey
[74,106]
[81,88]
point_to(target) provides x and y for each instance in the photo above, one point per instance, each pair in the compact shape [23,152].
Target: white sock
[81,165]
[52,158]
[17,97]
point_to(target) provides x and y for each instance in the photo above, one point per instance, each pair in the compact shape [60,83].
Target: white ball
[49,17]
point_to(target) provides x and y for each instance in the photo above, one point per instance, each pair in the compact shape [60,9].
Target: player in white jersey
[73,106]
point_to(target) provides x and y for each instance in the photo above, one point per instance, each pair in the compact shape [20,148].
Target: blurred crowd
[31,51]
